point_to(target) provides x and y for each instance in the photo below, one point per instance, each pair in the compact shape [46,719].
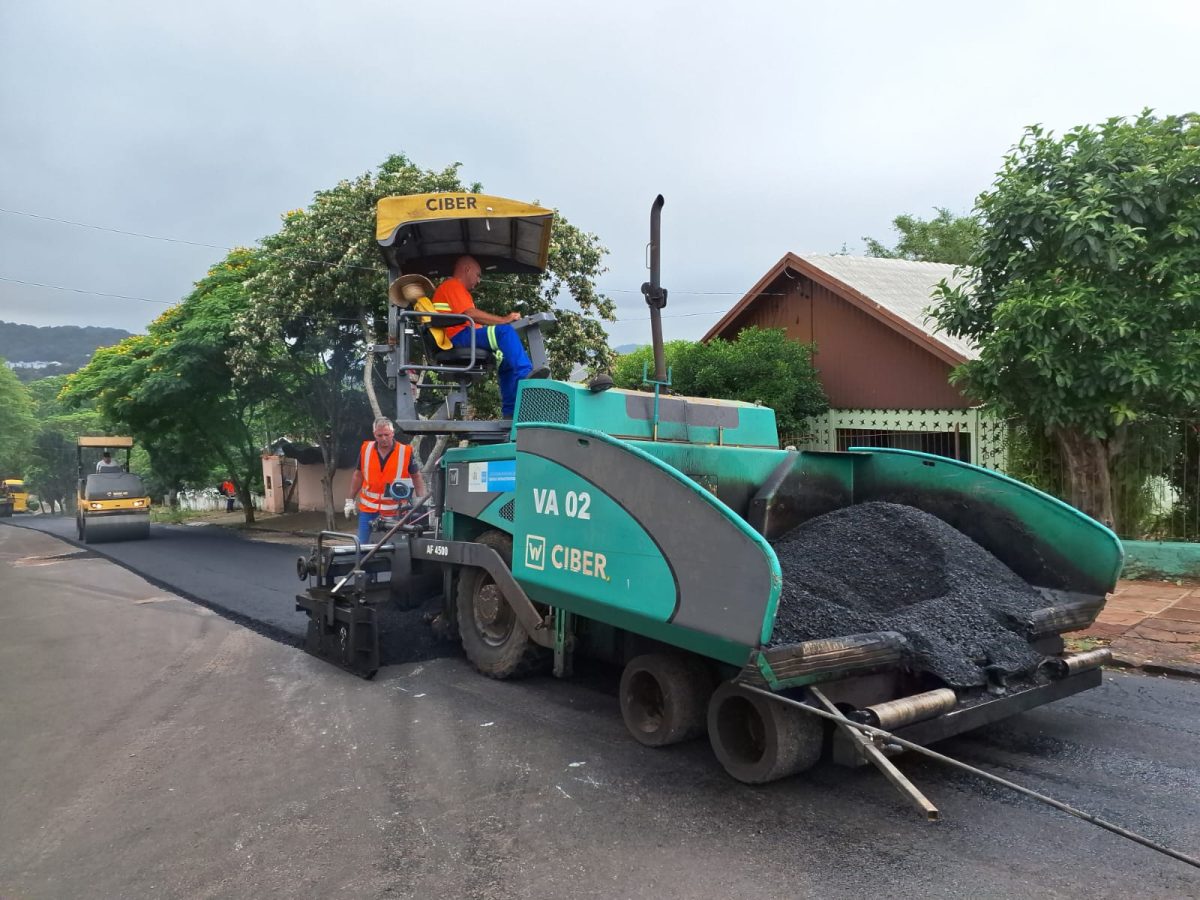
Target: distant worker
[230,492]
[106,464]
[496,334]
[381,463]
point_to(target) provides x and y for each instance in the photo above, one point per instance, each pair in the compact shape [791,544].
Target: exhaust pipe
[656,294]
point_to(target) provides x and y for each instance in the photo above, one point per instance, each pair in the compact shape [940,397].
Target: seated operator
[107,465]
[495,333]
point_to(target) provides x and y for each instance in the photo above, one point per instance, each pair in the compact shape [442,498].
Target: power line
[59,287]
[319,262]
[149,237]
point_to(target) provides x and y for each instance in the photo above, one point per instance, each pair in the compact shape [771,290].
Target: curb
[1156,667]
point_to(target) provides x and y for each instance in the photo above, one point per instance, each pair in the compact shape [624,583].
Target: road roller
[112,503]
[647,530]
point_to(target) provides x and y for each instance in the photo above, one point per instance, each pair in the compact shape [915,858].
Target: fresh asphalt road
[253,582]
[155,749]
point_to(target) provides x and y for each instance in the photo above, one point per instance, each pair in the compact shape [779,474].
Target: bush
[759,366]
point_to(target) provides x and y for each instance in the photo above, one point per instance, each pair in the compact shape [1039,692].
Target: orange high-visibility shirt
[373,498]
[453,294]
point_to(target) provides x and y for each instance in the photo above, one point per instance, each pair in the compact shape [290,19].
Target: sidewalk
[1150,625]
[298,527]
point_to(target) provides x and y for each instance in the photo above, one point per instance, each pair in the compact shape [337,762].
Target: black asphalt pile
[888,567]
[406,636]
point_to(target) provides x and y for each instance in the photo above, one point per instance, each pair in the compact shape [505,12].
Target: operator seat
[455,356]
[413,292]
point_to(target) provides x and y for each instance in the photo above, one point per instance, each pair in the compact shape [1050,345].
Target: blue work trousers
[364,526]
[511,359]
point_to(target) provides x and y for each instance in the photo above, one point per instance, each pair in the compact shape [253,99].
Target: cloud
[769,127]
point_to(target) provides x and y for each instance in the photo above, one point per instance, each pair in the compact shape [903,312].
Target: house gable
[868,356]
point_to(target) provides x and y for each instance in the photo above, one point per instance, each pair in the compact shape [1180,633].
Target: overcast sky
[768,127]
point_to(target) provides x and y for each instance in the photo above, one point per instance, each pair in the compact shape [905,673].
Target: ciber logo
[535,552]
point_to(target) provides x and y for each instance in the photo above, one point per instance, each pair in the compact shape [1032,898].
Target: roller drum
[1063,666]
[109,528]
[897,713]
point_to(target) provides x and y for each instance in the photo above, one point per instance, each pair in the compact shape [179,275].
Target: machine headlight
[97,506]
[139,502]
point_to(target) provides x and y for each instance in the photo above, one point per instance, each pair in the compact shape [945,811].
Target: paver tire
[664,697]
[495,642]
[758,739]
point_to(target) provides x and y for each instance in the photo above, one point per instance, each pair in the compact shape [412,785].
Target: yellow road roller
[15,488]
[112,503]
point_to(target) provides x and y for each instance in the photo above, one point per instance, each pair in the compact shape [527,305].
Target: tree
[16,422]
[759,365]
[174,390]
[53,463]
[320,300]
[1084,292]
[946,238]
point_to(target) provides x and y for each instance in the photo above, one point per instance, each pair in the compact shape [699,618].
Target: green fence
[1156,476]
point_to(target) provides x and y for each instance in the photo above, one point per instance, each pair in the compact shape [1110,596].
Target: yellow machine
[112,503]
[15,488]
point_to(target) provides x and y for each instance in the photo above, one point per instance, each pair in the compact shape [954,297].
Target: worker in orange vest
[381,463]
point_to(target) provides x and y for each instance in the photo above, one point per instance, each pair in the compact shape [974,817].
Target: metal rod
[874,755]
[379,544]
[933,754]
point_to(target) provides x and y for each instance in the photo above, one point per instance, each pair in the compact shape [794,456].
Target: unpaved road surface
[153,748]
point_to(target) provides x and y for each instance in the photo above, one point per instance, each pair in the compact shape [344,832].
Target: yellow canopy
[425,233]
[110,442]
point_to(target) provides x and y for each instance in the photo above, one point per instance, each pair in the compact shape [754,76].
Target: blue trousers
[511,359]
[364,526]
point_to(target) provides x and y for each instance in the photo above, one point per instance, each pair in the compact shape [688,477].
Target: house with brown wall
[884,368]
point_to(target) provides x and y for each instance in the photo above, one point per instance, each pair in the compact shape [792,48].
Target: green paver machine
[636,526]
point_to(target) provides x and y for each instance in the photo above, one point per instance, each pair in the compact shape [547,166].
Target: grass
[1084,644]
[169,516]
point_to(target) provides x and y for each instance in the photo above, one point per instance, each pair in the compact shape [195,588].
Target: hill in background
[34,351]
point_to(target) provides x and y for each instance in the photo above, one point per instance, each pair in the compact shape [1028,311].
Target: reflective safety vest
[373,497]
[424,304]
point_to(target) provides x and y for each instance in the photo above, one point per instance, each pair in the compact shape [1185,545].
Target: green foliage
[323,271]
[946,238]
[1084,291]
[1141,476]
[174,390]
[1085,295]
[759,366]
[629,368]
[322,295]
[1184,475]
[16,422]
[53,467]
